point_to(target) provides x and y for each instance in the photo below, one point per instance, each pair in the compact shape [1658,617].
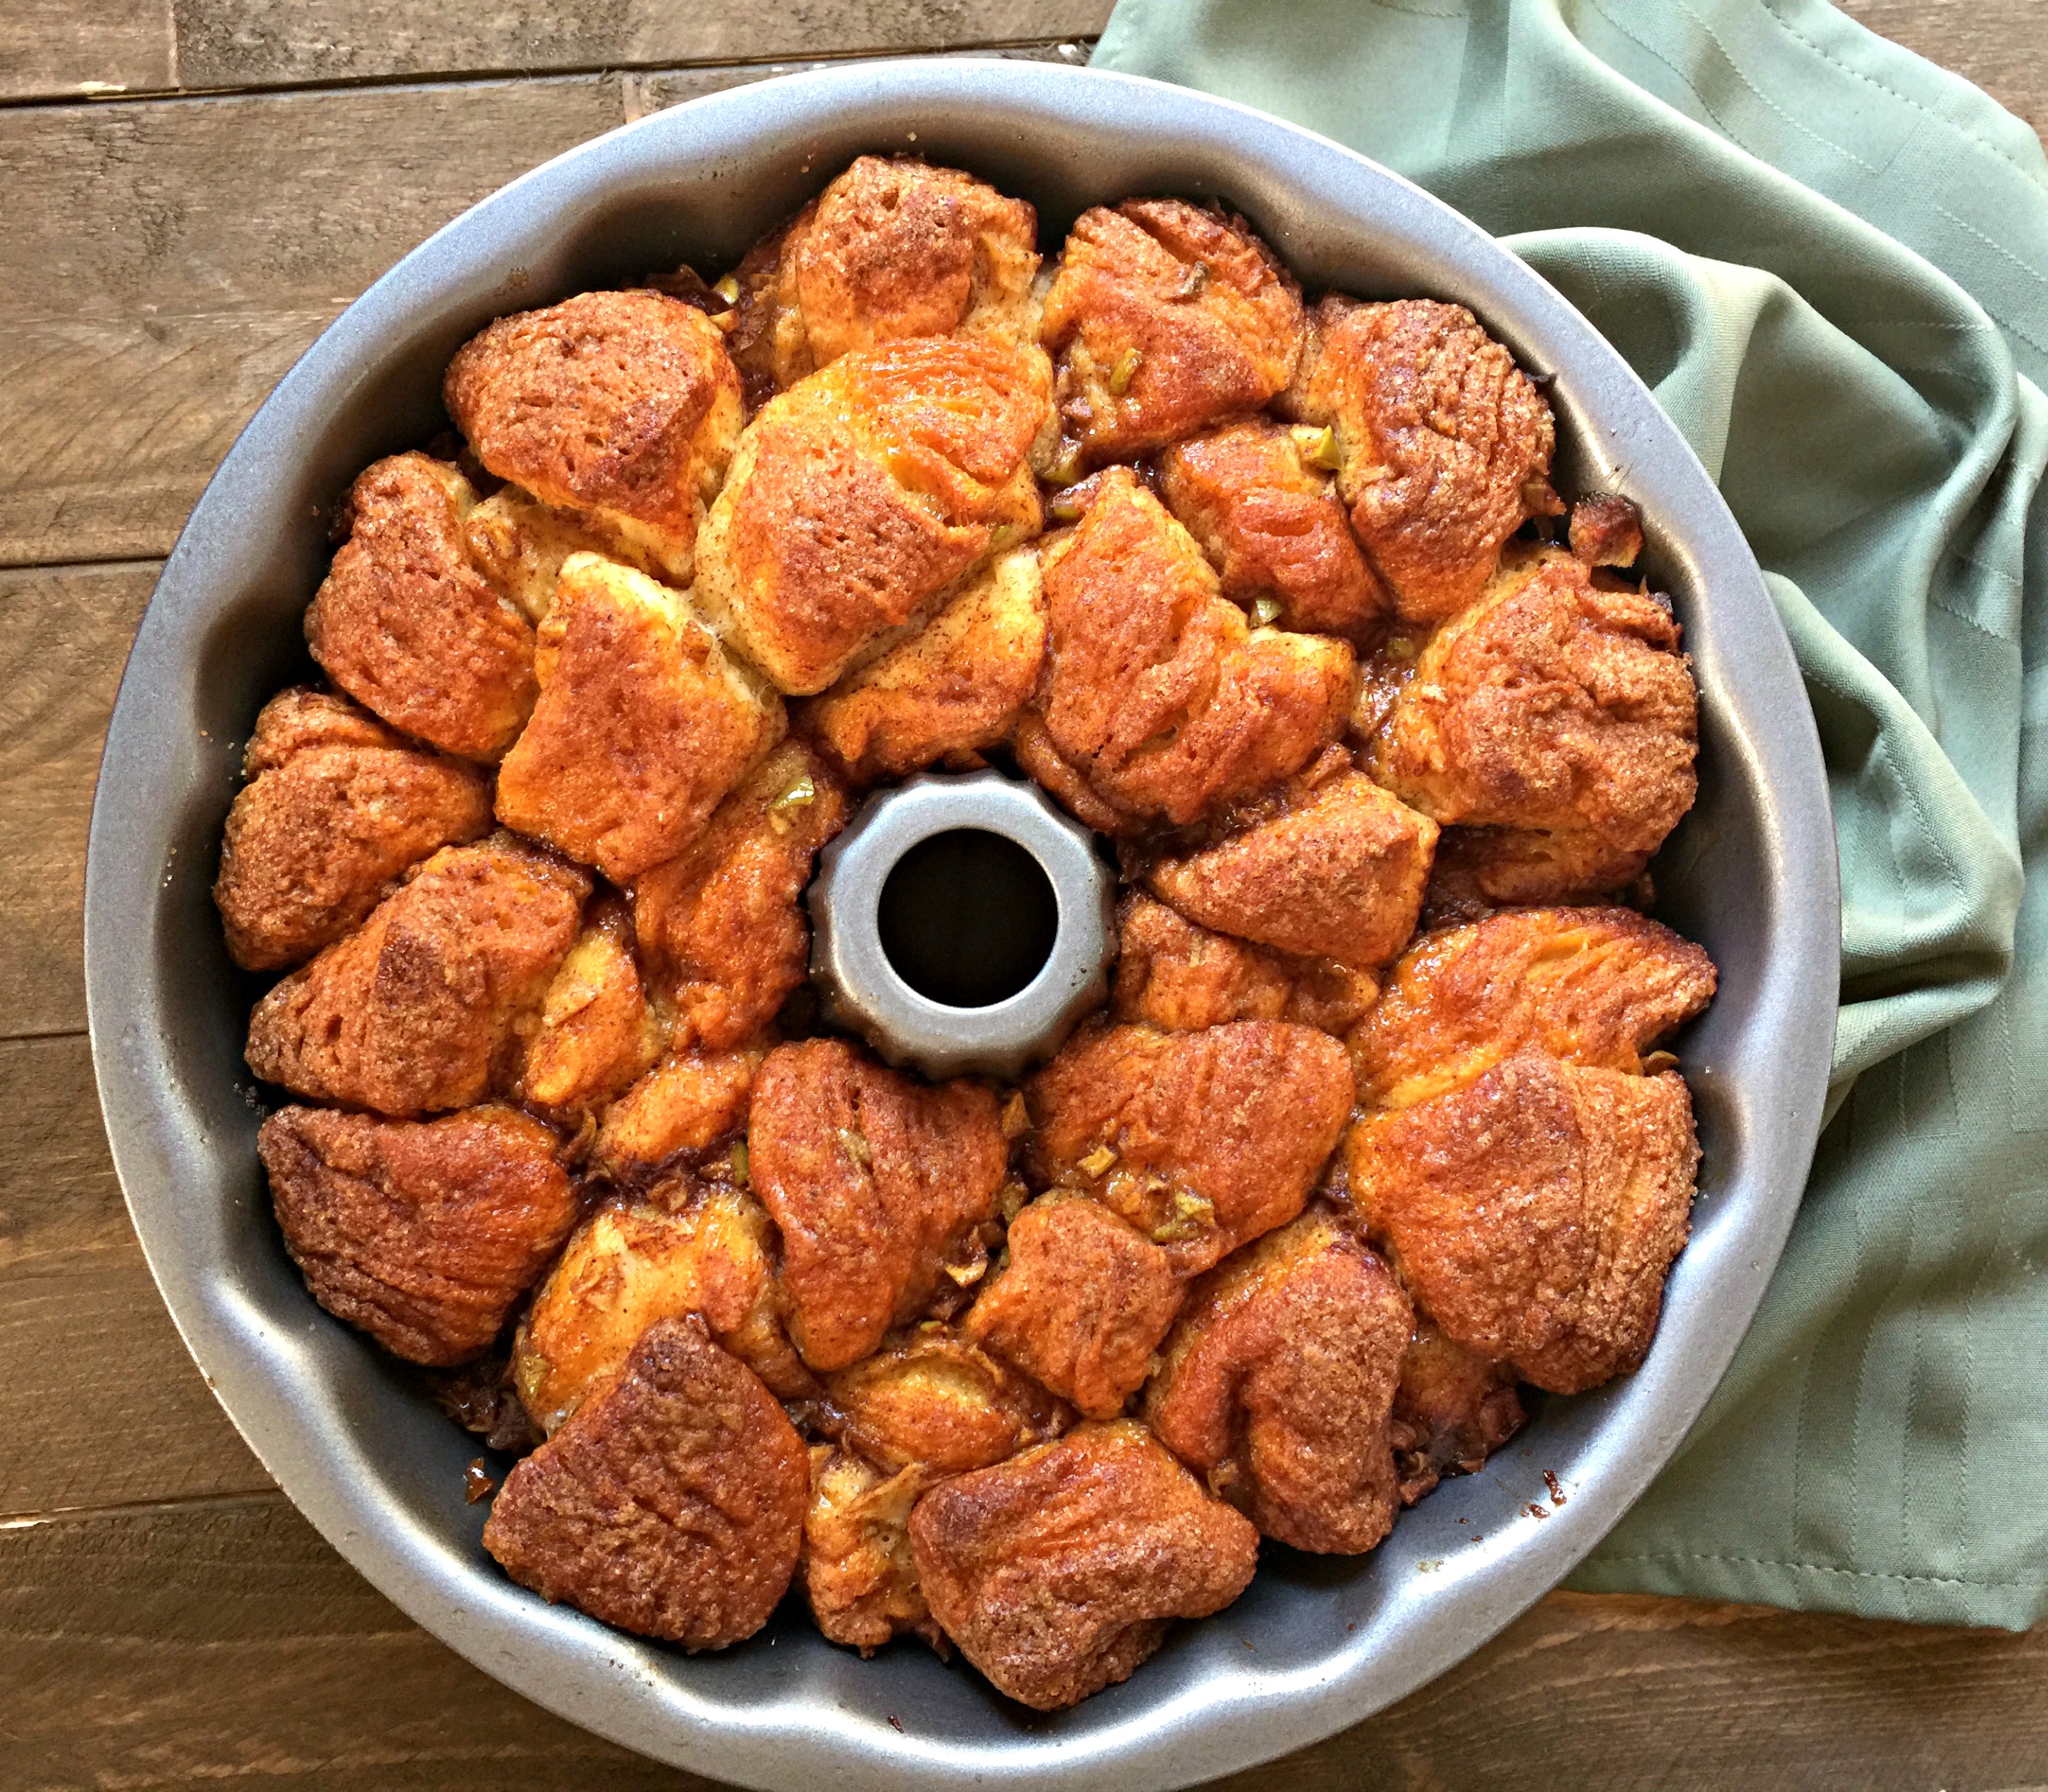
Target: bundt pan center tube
[1316,1643]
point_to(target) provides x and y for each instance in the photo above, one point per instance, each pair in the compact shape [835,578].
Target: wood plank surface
[74,46]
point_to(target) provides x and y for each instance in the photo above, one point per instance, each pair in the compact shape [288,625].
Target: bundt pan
[1317,1643]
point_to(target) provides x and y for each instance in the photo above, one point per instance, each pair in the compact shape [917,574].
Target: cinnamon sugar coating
[1180,978]
[689,1102]
[1453,1410]
[423,1233]
[858,1573]
[670,1504]
[337,806]
[405,623]
[1058,1571]
[596,1034]
[935,1398]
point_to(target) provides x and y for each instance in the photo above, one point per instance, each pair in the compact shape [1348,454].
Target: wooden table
[190,190]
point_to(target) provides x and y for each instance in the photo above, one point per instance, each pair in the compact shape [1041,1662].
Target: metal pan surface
[1316,1643]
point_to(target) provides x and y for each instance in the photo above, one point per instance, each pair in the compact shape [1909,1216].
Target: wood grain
[73,47]
[223,1639]
[2000,44]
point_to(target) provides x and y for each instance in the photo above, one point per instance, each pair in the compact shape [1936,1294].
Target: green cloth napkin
[1830,261]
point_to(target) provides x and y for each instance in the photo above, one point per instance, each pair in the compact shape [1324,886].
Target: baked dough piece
[875,1180]
[622,406]
[1534,1211]
[1081,1303]
[860,499]
[689,1103]
[1554,707]
[1453,1410]
[1444,445]
[1058,1571]
[1202,1141]
[859,1574]
[936,1399]
[595,1032]
[670,1504]
[682,1250]
[407,625]
[520,545]
[1163,319]
[337,806]
[1271,522]
[422,1007]
[1278,1386]
[423,1233]
[644,723]
[1180,978]
[892,248]
[1598,987]
[722,934]
[1158,695]
[956,685]
[1338,873]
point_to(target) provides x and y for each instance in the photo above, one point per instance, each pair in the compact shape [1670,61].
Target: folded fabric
[1829,259]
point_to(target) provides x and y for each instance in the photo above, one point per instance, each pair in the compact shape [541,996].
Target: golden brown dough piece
[521,544]
[421,1008]
[336,806]
[1082,1303]
[682,1250]
[1454,1410]
[405,623]
[874,1179]
[1444,445]
[1552,706]
[624,407]
[1477,870]
[957,684]
[1279,1385]
[1595,986]
[671,1503]
[936,1399]
[1165,318]
[1158,693]
[1180,978]
[688,1103]
[721,933]
[1270,523]
[1201,1140]
[423,1233]
[1338,873]
[1534,1211]
[596,1034]
[1058,1571]
[890,248]
[859,1572]
[1606,531]
[861,498]
[644,723]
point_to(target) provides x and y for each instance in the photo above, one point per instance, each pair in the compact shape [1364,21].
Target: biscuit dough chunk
[1158,693]
[1338,873]
[422,1007]
[1180,978]
[1453,1410]
[336,806]
[937,1399]
[1534,1211]
[520,545]
[596,1034]
[861,499]
[1058,1571]
[1202,1141]
[407,625]
[1595,986]
[680,1250]
[892,248]
[644,723]
[1443,446]
[1163,319]
[956,685]
[621,406]
[689,1103]
[422,1233]
[1271,525]
[874,1179]
[671,1504]
[1279,1385]
[859,1574]
[1082,1303]
[1477,870]
[1550,705]
[722,934]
